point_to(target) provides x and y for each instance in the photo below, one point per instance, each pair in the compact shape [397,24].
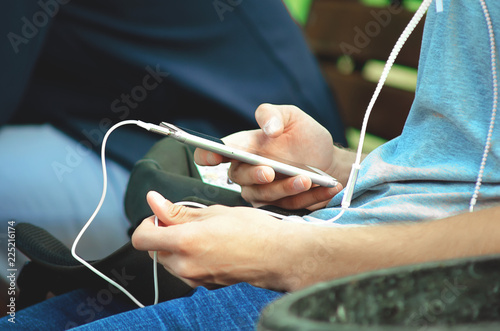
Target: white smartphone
[217,146]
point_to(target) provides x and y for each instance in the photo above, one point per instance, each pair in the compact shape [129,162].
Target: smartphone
[217,146]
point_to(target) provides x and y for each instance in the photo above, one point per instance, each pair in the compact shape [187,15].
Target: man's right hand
[289,134]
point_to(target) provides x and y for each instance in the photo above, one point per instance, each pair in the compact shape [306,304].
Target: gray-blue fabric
[430,170]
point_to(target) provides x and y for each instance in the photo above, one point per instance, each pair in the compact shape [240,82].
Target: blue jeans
[234,307]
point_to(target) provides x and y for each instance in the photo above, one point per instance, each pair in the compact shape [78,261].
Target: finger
[246,174]
[170,263]
[169,213]
[315,198]
[160,255]
[271,119]
[165,258]
[173,239]
[206,158]
[149,237]
[278,189]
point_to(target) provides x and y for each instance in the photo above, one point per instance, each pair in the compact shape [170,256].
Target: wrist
[341,165]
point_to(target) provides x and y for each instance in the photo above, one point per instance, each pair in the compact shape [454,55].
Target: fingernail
[211,158]
[333,190]
[272,126]
[298,184]
[261,176]
[156,197]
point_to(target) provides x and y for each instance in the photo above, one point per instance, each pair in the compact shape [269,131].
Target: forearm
[339,252]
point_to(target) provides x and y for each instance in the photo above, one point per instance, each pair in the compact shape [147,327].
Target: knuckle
[245,194]
[177,211]
[186,243]
[230,172]
[234,170]
[217,209]
[257,193]
[288,187]
[293,203]
[183,269]
[266,195]
[320,195]
[138,240]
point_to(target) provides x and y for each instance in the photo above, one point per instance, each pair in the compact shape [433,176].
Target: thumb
[271,119]
[275,119]
[167,212]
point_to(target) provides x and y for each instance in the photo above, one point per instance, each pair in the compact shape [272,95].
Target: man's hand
[286,133]
[219,245]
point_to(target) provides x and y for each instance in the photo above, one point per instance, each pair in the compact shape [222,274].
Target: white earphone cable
[494,78]
[96,211]
[349,189]
[387,68]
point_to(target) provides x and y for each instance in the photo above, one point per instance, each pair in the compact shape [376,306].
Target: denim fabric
[430,171]
[235,307]
[66,311]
